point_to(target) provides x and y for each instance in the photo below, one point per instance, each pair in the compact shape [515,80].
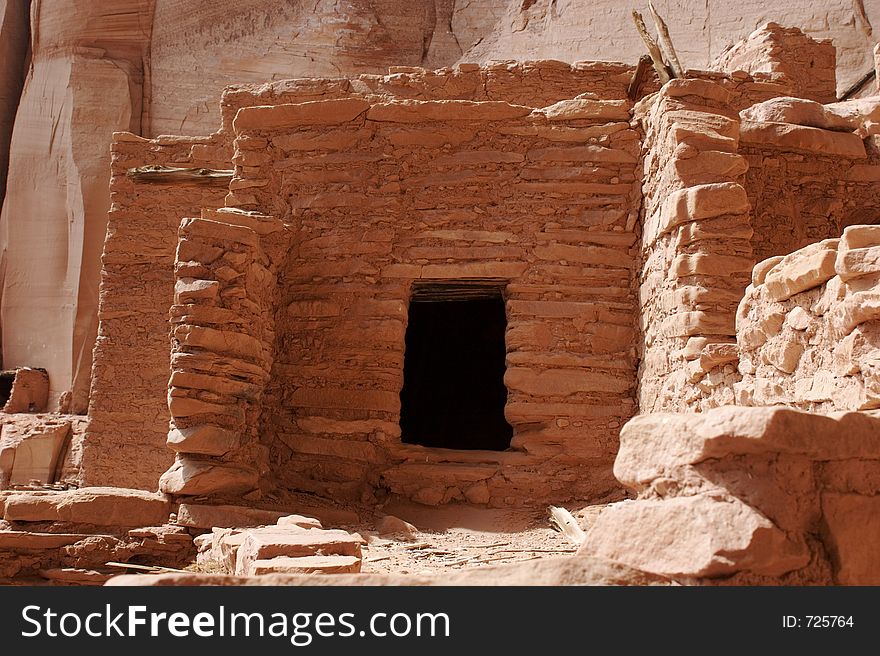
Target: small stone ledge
[800,138]
[318,112]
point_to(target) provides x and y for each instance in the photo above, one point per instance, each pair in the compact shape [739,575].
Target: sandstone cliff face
[199,48]
[84,82]
[602,29]
[151,66]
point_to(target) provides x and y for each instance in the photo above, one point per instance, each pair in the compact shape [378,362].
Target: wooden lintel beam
[173,175]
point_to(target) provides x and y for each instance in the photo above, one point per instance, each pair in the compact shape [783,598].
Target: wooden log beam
[638,78]
[858,86]
[666,42]
[663,71]
[172,175]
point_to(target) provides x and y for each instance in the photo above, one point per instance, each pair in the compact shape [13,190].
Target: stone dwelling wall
[792,184]
[141,241]
[128,409]
[809,327]
[529,83]
[223,319]
[806,184]
[695,244]
[808,65]
[135,398]
[395,192]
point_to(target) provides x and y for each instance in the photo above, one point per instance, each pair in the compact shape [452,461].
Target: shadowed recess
[453,392]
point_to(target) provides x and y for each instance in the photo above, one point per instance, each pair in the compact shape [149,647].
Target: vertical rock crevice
[14,55]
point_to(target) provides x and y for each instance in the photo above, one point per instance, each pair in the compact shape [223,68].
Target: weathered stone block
[306,565]
[271,542]
[102,506]
[702,202]
[417,111]
[696,536]
[800,138]
[190,477]
[320,112]
[586,108]
[203,439]
[802,270]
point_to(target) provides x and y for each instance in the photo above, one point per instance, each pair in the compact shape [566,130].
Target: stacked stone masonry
[130,361]
[432,190]
[222,346]
[808,327]
[695,243]
[623,239]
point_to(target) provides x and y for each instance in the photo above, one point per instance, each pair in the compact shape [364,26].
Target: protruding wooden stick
[638,77]
[565,523]
[653,49]
[666,42]
[857,86]
[156,174]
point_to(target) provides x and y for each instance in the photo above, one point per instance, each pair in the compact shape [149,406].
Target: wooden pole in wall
[653,50]
[638,77]
[666,42]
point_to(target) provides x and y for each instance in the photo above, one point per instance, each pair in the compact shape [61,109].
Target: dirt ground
[461,537]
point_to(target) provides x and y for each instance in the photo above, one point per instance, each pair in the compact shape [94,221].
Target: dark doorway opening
[7,378]
[453,393]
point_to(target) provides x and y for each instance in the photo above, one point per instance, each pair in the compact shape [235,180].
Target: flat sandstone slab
[307,565]
[101,506]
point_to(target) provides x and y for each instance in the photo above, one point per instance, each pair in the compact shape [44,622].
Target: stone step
[270,542]
[306,565]
[99,506]
[27,541]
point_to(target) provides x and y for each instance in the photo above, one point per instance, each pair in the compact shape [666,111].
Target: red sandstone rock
[298,520]
[265,543]
[853,530]
[203,439]
[695,536]
[190,477]
[224,516]
[306,565]
[803,269]
[413,111]
[797,111]
[98,506]
[577,108]
[31,448]
[30,391]
[804,139]
[308,113]
[580,570]
[391,526]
